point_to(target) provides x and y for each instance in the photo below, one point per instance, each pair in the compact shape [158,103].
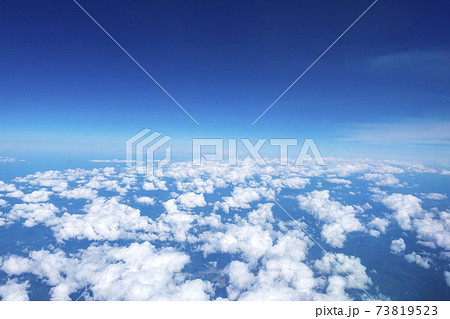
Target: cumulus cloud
[382,179]
[104,219]
[79,193]
[349,267]
[266,257]
[15,194]
[7,187]
[3,203]
[338,181]
[145,200]
[339,219]
[41,195]
[419,260]
[447,278]
[191,200]
[33,213]
[398,246]
[434,196]
[14,291]
[241,197]
[378,226]
[143,273]
[434,228]
[405,208]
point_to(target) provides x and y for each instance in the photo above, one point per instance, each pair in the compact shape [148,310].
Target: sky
[380,92]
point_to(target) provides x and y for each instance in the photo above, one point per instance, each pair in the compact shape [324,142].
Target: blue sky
[381,91]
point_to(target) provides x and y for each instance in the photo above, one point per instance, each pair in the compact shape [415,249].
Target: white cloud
[285,182]
[338,181]
[435,230]
[407,133]
[79,193]
[405,207]
[382,179]
[191,200]
[434,196]
[241,197]
[261,215]
[145,200]
[398,246]
[3,203]
[33,213]
[100,181]
[15,194]
[41,195]
[143,273]
[339,219]
[14,291]
[7,159]
[447,278]
[154,184]
[104,219]
[252,241]
[268,256]
[336,284]
[419,260]
[16,265]
[7,187]
[379,226]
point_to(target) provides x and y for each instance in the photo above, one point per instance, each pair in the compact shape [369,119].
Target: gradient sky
[382,91]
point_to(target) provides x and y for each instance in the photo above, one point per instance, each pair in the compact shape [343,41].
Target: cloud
[79,193]
[109,161]
[419,260]
[241,197]
[15,194]
[145,200]
[191,200]
[426,62]
[104,219]
[41,195]
[7,187]
[16,265]
[398,246]
[261,257]
[14,291]
[413,132]
[447,278]
[382,179]
[339,219]
[379,226]
[33,213]
[3,203]
[4,159]
[143,273]
[99,182]
[337,284]
[338,181]
[405,208]
[434,196]
[434,230]
[252,241]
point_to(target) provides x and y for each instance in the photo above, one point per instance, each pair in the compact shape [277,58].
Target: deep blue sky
[381,91]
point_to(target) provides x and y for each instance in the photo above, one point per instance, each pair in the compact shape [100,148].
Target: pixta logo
[141,148]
